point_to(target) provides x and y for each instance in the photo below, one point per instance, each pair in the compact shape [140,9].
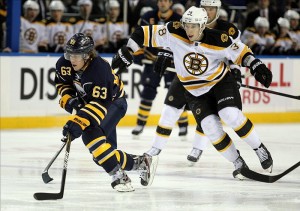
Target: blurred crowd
[268,27]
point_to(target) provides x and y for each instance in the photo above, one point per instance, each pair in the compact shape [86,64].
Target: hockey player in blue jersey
[87,84]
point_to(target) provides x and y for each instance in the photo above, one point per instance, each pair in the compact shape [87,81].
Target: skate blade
[124,188]
[153,168]
[239,177]
[191,163]
[269,170]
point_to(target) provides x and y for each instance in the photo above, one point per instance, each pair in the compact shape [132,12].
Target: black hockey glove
[122,59]
[163,61]
[237,76]
[75,127]
[69,103]
[261,73]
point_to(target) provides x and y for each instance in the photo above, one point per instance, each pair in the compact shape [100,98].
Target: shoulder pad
[228,27]
[216,38]
[174,27]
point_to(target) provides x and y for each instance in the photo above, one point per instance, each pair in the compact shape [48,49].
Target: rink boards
[29,98]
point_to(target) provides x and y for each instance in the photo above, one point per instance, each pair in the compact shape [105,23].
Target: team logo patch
[72,41]
[171,98]
[198,111]
[195,63]
[231,31]
[176,24]
[30,35]
[60,38]
[224,37]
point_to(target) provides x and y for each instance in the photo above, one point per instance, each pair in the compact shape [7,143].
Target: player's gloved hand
[69,103]
[75,127]
[237,76]
[122,59]
[261,73]
[163,61]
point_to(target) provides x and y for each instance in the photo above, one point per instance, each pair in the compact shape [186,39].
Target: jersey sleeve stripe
[154,30]
[95,110]
[91,115]
[246,49]
[146,35]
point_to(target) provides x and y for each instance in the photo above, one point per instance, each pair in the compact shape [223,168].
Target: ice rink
[208,185]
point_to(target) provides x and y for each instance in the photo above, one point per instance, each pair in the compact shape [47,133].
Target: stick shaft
[270,91]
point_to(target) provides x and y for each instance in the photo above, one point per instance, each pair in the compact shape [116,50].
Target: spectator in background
[58,31]
[88,26]
[144,10]
[43,9]
[117,30]
[33,33]
[178,8]
[293,18]
[264,10]
[284,44]
[70,6]
[259,38]
[223,15]
[134,9]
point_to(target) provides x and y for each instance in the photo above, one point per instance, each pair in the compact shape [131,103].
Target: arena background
[29,99]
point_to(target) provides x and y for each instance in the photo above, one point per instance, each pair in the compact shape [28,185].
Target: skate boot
[146,165]
[239,163]
[121,182]
[194,156]
[153,151]
[265,158]
[137,130]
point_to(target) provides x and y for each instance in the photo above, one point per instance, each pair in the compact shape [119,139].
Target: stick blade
[257,176]
[46,177]
[47,196]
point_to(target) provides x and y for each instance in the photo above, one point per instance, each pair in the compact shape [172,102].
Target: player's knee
[212,127]
[169,116]
[232,116]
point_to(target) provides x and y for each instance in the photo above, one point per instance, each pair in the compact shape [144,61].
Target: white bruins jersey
[90,28]
[116,31]
[199,65]
[267,39]
[32,33]
[59,33]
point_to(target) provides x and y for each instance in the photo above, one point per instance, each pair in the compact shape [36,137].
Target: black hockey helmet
[79,44]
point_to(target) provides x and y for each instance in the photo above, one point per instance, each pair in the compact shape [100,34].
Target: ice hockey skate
[137,130]
[194,156]
[147,167]
[239,163]
[265,158]
[121,182]
[153,151]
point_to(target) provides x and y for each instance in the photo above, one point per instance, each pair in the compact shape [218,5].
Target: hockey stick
[272,92]
[266,178]
[54,196]
[45,174]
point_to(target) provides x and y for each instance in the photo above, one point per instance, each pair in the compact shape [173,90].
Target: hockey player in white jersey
[33,33]
[211,92]
[58,30]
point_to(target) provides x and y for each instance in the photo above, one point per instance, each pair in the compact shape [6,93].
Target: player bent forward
[83,76]
[200,54]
